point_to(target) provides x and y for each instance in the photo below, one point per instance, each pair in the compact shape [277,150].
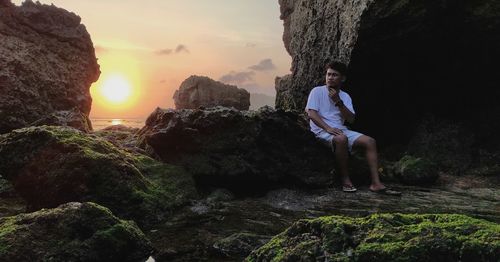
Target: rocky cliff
[407,60]
[201,91]
[47,64]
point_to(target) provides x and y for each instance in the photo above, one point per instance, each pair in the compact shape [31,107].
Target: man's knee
[340,139]
[370,142]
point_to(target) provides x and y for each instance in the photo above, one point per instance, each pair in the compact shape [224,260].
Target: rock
[449,145]
[404,58]
[239,245]
[72,118]
[385,237]
[201,91]
[47,64]
[72,232]
[49,166]
[121,136]
[416,171]
[246,151]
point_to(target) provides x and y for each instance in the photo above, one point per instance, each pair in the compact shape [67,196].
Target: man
[328,108]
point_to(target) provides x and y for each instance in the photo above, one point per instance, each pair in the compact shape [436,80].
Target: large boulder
[49,166]
[385,237]
[72,232]
[201,91]
[244,150]
[47,64]
[407,59]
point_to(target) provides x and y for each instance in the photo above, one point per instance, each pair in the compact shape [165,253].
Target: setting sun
[116,89]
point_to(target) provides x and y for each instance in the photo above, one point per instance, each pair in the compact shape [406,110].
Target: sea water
[100,123]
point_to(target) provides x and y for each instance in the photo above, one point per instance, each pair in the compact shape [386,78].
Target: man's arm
[314,116]
[346,113]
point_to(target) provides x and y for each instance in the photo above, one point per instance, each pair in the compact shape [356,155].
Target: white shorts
[326,138]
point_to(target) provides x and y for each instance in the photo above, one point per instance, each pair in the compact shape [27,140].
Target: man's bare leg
[370,146]
[342,157]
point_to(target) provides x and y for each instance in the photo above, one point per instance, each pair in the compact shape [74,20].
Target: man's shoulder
[317,88]
[342,92]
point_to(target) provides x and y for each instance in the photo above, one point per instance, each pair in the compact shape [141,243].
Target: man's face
[333,78]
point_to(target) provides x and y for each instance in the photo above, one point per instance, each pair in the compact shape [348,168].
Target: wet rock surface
[201,91]
[47,64]
[71,232]
[200,226]
[241,150]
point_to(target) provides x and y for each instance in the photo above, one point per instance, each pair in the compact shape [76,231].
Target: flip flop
[387,191]
[349,188]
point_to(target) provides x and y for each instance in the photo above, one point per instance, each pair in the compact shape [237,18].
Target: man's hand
[333,94]
[334,131]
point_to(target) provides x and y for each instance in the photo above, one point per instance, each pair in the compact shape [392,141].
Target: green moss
[74,166]
[71,232]
[386,237]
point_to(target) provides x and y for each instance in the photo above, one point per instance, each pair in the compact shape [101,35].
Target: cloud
[164,52]
[251,45]
[264,65]
[181,48]
[168,51]
[237,78]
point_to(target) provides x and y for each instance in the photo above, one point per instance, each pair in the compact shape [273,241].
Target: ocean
[100,123]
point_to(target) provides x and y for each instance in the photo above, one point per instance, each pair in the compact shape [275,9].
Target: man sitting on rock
[328,108]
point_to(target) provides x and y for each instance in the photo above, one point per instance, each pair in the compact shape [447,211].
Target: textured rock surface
[49,166]
[201,91]
[416,171]
[385,237]
[71,232]
[72,118]
[249,150]
[199,227]
[47,64]
[240,244]
[407,59]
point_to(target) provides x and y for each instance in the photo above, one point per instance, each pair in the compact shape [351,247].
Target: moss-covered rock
[49,166]
[385,237]
[71,232]
[415,170]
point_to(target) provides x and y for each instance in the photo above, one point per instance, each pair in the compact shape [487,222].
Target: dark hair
[337,66]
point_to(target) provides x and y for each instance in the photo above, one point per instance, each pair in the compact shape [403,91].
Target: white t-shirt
[320,101]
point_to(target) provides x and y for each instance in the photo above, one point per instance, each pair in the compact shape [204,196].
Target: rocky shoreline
[220,184]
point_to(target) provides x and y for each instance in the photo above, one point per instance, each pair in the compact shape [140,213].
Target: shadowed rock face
[47,64]
[201,91]
[72,232]
[407,60]
[244,150]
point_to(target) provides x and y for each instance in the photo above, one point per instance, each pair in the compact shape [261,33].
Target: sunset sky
[149,47]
